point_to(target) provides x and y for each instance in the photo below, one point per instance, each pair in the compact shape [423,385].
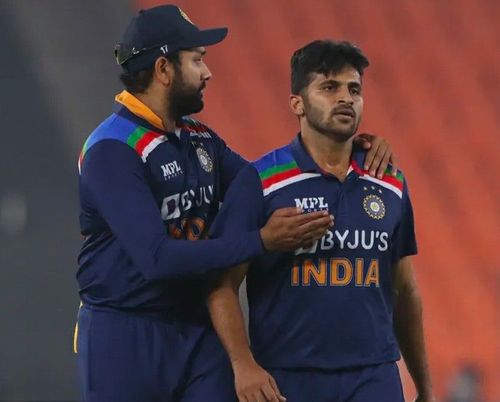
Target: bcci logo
[374,206]
[205,161]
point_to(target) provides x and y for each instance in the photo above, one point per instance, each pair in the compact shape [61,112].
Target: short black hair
[324,57]
[137,82]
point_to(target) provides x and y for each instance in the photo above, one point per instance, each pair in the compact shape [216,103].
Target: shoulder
[395,183]
[123,132]
[277,169]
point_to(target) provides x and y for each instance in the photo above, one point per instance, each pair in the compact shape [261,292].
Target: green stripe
[136,136]
[265,174]
[86,146]
[399,175]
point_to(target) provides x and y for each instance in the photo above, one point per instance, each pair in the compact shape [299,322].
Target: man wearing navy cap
[151,180]
[326,322]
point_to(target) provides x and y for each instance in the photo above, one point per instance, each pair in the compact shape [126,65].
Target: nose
[345,96]
[206,74]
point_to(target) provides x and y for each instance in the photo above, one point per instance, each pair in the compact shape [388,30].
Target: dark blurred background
[432,90]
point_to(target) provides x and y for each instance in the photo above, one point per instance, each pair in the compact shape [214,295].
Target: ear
[164,71]
[296,105]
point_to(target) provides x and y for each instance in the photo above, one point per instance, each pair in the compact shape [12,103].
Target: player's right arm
[252,382]
[113,183]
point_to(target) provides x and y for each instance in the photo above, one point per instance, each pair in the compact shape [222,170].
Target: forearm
[227,318]
[408,325]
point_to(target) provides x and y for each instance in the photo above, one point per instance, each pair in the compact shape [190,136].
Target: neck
[159,106]
[331,154]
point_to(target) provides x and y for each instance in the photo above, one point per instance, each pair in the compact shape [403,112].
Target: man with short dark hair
[326,322]
[151,180]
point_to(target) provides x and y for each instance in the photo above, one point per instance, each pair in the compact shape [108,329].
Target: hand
[254,384]
[379,155]
[289,229]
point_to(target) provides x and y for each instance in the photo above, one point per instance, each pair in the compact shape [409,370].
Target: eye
[356,90]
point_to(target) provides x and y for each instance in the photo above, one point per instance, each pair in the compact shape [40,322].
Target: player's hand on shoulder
[254,384]
[288,229]
[379,154]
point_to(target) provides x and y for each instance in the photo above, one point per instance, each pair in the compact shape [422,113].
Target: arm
[113,183]
[408,327]
[252,382]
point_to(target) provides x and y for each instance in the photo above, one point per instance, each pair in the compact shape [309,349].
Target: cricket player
[326,322]
[151,181]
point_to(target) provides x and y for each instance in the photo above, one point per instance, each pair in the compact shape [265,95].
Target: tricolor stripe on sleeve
[115,127]
[278,169]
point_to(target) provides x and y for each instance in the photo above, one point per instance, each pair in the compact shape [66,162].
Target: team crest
[374,206]
[205,160]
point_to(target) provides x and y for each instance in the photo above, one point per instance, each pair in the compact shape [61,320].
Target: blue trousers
[135,358]
[380,383]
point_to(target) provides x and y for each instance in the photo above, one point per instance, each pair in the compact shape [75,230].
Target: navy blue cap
[159,31]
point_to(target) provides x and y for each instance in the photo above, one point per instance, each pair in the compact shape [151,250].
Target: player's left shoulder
[394,182]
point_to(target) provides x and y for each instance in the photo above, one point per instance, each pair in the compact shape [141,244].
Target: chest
[366,215]
[182,176]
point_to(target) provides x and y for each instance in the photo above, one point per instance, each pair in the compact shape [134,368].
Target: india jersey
[146,195]
[330,306]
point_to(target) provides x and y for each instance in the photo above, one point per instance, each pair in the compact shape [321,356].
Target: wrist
[242,362]
[264,239]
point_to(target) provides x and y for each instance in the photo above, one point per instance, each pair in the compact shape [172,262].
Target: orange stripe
[140,109]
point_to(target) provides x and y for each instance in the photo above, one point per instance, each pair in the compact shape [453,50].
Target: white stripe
[291,180]
[383,184]
[151,146]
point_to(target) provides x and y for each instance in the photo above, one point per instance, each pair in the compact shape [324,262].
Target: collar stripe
[385,184]
[288,181]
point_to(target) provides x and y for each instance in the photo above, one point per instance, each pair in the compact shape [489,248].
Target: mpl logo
[310,204]
[171,170]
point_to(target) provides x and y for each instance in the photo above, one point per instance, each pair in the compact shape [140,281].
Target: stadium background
[432,90]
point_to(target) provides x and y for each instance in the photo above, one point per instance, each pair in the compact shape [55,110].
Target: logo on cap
[184,15]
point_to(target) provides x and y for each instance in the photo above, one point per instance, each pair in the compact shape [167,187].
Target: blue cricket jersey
[145,196]
[330,306]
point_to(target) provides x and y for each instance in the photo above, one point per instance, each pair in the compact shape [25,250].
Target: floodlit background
[432,90]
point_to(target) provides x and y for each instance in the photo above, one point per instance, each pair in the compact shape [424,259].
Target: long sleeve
[115,186]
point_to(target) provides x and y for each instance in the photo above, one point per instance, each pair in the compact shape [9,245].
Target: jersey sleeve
[229,164]
[405,242]
[243,208]
[115,184]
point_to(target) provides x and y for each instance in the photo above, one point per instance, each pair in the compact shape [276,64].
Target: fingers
[395,164]
[364,140]
[288,212]
[274,386]
[269,394]
[316,226]
[373,157]
[384,163]
[307,217]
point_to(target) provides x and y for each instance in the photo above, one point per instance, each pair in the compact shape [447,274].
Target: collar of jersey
[138,108]
[306,163]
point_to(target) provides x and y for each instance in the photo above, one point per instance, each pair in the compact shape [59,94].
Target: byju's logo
[171,170]
[310,204]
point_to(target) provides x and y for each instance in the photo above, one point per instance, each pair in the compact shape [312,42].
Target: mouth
[346,113]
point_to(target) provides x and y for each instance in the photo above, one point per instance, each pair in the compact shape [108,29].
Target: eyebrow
[335,82]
